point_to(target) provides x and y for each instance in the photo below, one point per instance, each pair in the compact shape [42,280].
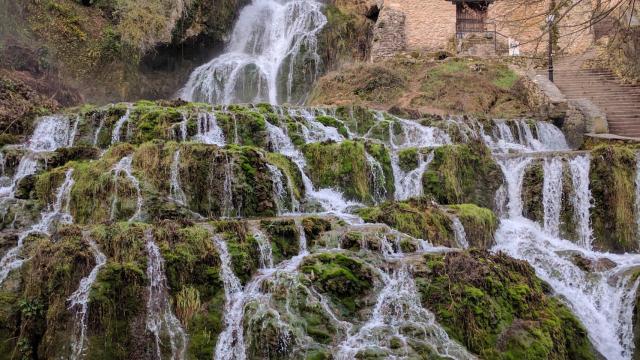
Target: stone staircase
[620,102]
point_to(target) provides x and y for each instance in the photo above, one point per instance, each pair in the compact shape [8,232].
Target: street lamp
[550,19]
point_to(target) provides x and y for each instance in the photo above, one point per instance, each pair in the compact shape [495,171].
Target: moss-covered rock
[284,237]
[479,224]
[498,308]
[465,173]
[344,165]
[346,280]
[612,175]
[418,218]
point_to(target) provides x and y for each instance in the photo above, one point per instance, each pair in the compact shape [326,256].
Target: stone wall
[430,24]
[388,34]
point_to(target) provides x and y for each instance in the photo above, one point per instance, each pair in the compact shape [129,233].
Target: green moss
[505,313]
[408,159]
[465,173]
[612,186]
[284,238]
[314,227]
[342,165]
[346,280]
[417,218]
[479,224]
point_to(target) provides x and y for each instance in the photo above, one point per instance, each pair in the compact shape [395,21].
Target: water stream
[160,317]
[273,43]
[79,300]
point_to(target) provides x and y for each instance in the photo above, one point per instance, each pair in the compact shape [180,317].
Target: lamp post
[550,19]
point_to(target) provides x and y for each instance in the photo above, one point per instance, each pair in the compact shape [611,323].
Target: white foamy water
[79,300]
[117,129]
[397,310]
[58,212]
[582,200]
[160,317]
[409,184]
[175,189]
[279,192]
[602,300]
[273,43]
[123,167]
[552,195]
[330,199]
[208,130]
[50,134]
[459,233]
[377,179]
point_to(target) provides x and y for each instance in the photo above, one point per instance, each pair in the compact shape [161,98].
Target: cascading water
[279,193]
[398,309]
[124,167]
[552,195]
[117,129]
[582,199]
[51,133]
[378,179]
[330,199]
[459,233]
[208,130]
[410,184]
[603,299]
[175,189]
[513,170]
[79,300]
[59,212]
[160,317]
[230,343]
[273,43]
[227,196]
[266,253]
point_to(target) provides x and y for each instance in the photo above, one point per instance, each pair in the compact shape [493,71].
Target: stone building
[431,25]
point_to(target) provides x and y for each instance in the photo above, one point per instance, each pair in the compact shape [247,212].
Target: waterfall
[182,129]
[279,192]
[175,189]
[73,131]
[397,309]
[264,245]
[124,166]
[159,313]
[79,300]
[115,135]
[459,233]
[513,170]
[551,137]
[302,238]
[98,130]
[273,43]
[50,134]
[552,195]
[602,300]
[377,178]
[59,212]
[230,345]
[208,130]
[409,184]
[227,196]
[330,199]
[582,200]
[315,131]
